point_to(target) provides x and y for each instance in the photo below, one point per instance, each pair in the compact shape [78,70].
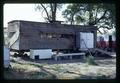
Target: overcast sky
[24,12]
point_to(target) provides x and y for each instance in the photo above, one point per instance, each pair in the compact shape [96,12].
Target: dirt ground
[22,68]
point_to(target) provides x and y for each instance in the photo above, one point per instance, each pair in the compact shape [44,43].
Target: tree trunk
[110,42]
[90,14]
[54,13]
[53,10]
[46,12]
[72,19]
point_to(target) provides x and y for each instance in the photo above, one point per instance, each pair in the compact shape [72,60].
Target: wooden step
[68,54]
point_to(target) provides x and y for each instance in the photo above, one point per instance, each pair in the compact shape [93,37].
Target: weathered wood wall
[30,35]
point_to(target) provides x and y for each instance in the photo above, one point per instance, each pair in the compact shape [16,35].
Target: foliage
[71,11]
[90,60]
[100,15]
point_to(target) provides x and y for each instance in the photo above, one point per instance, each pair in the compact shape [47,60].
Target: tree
[70,12]
[49,9]
[100,15]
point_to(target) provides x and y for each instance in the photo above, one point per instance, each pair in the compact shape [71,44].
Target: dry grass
[21,69]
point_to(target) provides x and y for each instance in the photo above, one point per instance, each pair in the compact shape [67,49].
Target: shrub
[90,60]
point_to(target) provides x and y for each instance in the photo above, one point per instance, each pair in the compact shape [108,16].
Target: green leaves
[100,15]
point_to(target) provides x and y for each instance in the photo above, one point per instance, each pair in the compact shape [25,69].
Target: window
[42,35]
[56,35]
[66,36]
[49,35]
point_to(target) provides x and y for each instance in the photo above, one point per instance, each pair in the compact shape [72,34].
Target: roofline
[48,23]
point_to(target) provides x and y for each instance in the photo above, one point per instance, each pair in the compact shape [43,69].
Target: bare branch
[102,16]
[96,15]
[100,31]
[46,11]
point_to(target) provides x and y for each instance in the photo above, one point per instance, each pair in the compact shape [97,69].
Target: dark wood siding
[30,35]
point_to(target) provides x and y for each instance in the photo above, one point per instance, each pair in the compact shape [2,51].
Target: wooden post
[70,57]
[57,51]
[110,42]
[56,58]
[95,38]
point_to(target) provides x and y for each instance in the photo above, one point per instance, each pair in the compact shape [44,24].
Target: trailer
[26,35]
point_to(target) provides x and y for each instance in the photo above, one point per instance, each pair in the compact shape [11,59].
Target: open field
[64,69]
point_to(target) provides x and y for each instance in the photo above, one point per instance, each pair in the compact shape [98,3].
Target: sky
[24,12]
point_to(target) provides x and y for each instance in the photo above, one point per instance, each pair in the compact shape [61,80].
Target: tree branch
[55,8]
[102,16]
[100,31]
[96,15]
[46,11]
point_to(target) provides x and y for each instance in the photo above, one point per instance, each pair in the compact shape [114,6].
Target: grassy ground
[24,69]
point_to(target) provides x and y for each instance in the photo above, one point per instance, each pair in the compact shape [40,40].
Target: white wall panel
[88,40]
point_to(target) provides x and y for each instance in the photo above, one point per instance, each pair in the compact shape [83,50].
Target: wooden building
[25,35]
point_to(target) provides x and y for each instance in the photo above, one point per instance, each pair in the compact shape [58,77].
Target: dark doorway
[36,57]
